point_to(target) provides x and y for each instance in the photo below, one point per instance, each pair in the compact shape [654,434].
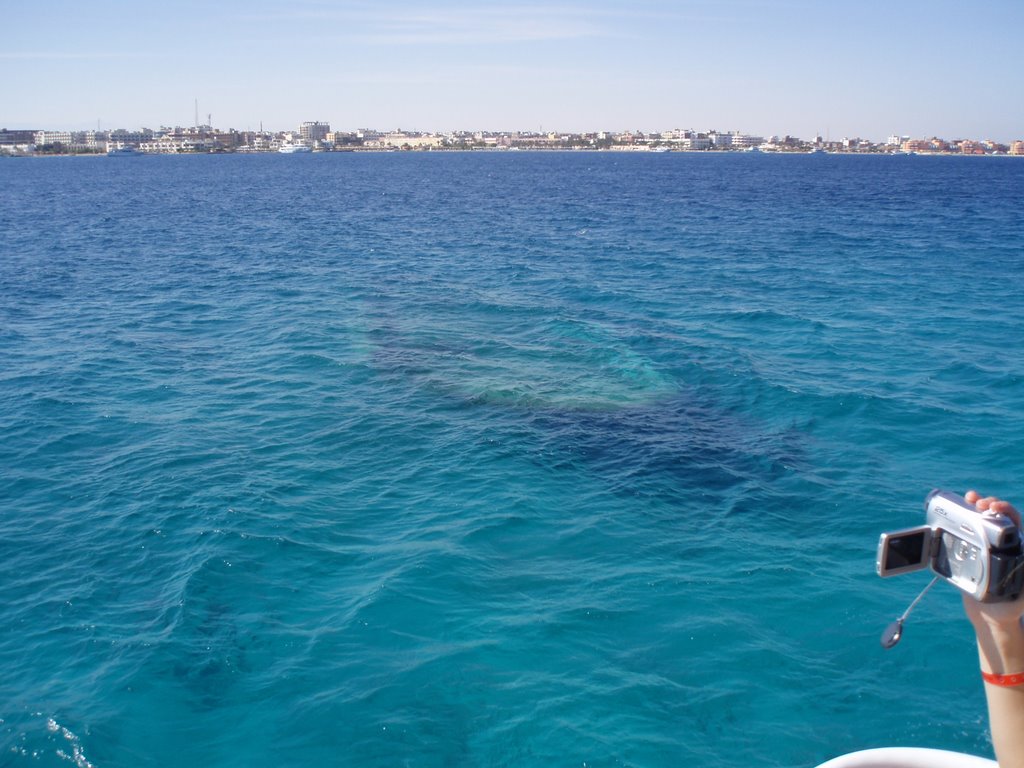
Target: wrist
[1003,681]
[1000,646]
[994,617]
[996,622]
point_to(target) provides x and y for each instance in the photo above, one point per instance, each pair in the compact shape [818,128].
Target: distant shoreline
[532,150]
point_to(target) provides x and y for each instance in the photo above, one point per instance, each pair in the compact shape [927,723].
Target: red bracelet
[1006,681]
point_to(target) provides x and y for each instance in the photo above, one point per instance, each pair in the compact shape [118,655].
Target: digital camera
[978,552]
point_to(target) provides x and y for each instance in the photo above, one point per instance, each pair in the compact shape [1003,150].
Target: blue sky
[863,68]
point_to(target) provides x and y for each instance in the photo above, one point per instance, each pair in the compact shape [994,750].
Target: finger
[972,497]
[985,503]
[1005,508]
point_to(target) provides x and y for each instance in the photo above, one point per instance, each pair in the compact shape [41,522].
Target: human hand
[992,504]
[1001,614]
[1001,655]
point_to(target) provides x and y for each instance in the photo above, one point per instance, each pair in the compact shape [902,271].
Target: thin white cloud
[454,26]
[62,55]
[482,27]
[451,76]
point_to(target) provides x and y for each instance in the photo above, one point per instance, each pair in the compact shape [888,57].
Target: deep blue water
[493,459]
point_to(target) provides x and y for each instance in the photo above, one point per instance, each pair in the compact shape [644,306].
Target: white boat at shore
[124,152]
[290,149]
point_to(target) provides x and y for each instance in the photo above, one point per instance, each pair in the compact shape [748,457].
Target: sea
[494,459]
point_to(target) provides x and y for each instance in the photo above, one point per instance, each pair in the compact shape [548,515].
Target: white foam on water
[77,755]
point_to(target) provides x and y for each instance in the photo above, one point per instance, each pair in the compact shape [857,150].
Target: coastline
[545,150]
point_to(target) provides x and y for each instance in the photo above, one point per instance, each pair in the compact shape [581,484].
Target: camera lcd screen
[904,551]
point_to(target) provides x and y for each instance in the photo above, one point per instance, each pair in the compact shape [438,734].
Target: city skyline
[314,136]
[788,67]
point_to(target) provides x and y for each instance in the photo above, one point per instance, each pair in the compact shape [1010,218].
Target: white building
[95,139]
[173,145]
[121,138]
[744,141]
[735,139]
[43,138]
[696,143]
[416,141]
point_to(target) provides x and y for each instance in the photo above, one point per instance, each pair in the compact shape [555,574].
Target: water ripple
[505,460]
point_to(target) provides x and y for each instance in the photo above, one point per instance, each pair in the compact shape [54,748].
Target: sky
[864,69]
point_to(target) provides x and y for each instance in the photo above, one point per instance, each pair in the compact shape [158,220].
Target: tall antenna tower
[197,114]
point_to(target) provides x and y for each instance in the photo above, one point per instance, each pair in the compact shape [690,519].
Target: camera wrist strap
[894,631]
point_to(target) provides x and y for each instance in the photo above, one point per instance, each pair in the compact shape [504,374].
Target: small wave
[72,751]
[38,740]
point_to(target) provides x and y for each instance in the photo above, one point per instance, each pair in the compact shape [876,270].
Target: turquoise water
[493,460]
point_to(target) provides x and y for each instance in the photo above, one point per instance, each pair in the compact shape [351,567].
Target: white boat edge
[908,757]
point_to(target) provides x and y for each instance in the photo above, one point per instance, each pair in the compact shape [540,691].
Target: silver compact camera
[978,552]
